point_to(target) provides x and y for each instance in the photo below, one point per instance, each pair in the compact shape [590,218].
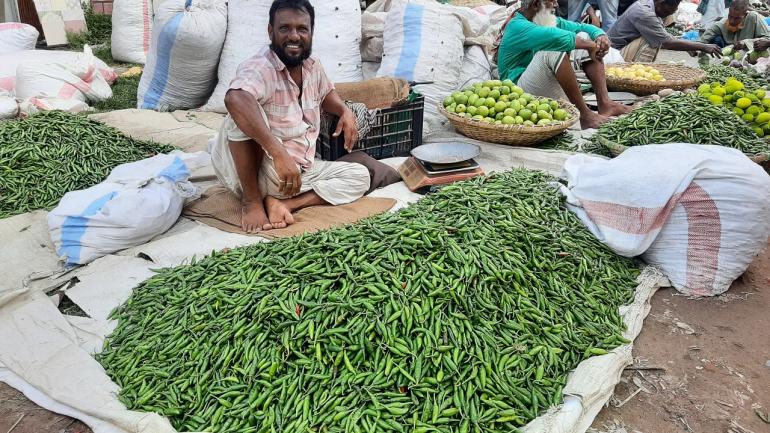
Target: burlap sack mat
[219,208]
[381,92]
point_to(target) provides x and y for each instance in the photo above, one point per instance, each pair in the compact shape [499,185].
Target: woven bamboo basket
[676,77]
[616,149]
[516,135]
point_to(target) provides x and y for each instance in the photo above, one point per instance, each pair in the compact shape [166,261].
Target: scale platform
[419,174]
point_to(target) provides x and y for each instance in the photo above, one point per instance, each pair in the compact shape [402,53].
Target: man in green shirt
[538,50]
[740,25]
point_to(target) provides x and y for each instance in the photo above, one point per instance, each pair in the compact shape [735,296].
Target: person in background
[265,151]
[712,11]
[740,25]
[538,50]
[639,33]
[608,8]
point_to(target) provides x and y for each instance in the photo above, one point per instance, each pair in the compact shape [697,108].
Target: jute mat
[221,209]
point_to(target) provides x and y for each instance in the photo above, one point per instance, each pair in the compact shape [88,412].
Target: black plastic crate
[395,132]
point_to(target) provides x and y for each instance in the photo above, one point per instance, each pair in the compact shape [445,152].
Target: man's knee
[359,175]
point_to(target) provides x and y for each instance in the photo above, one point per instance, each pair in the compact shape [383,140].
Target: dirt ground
[700,366]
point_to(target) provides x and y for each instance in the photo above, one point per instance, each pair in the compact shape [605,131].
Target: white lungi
[335,182]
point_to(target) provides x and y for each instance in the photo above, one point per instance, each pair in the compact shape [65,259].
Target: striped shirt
[294,121]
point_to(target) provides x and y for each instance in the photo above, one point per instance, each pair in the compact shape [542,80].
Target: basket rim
[521,129]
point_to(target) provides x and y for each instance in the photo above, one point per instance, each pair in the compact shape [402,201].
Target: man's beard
[735,29]
[289,60]
[545,17]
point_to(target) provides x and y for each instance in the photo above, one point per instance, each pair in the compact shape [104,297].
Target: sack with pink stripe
[79,79]
[17,37]
[131,30]
[700,213]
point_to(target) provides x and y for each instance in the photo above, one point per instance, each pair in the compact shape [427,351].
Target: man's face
[663,10]
[291,36]
[546,14]
[735,19]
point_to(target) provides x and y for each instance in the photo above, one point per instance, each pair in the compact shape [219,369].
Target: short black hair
[300,5]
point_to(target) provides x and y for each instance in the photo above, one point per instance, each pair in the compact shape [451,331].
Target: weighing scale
[439,164]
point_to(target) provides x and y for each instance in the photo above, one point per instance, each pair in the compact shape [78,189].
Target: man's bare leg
[247,157]
[279,210]
[565,75]
[595,72]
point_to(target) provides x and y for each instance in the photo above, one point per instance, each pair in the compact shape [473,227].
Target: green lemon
[483,92]
[560,114]
[500,106]
[510,112]
[460,108]
[518,120]
[508,120]
[448,101]
[762,118]
[517,90]
[516,105]
[483,111]
[543,121]
[748,117]
[471,110]
[461,99]
[494,94]
[554,105]
[525,113]
[472,99]
[490,102]
[528,123]
[542,114]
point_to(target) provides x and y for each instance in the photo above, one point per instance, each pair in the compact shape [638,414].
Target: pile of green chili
[463,312]
[683,119]
[51,153]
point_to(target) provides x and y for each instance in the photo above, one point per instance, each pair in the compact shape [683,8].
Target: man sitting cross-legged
[266,149]
[538,50]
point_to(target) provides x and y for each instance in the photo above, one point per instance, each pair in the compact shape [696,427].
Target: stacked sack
[17,37]
[14,37]
[336,41]
[47,80]
[182,63]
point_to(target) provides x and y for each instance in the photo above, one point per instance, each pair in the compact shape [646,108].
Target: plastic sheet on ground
[48,356]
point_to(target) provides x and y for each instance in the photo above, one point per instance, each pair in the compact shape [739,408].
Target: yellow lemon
[743,103]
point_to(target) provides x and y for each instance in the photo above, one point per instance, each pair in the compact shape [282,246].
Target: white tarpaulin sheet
[48,356]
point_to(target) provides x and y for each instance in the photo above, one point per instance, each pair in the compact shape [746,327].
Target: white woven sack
[424,42]
[337,39]
[17,37]
[9,107]
[10,62]
[372,28]
[31,106]
[247,22]
[475,66]
[78,79]
[138,201]
[131,30]
[700,213]
[187,40]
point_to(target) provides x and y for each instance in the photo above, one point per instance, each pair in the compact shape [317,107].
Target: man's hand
[604,46]
[347,126]
[289,176]
[739,46]
[593,51]
[711,49]
[761,45]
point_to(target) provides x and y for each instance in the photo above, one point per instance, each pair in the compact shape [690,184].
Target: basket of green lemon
[501,112]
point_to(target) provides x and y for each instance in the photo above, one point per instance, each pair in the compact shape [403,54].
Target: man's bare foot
[254,218]
[590,120]
[613,108]
[278,213]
